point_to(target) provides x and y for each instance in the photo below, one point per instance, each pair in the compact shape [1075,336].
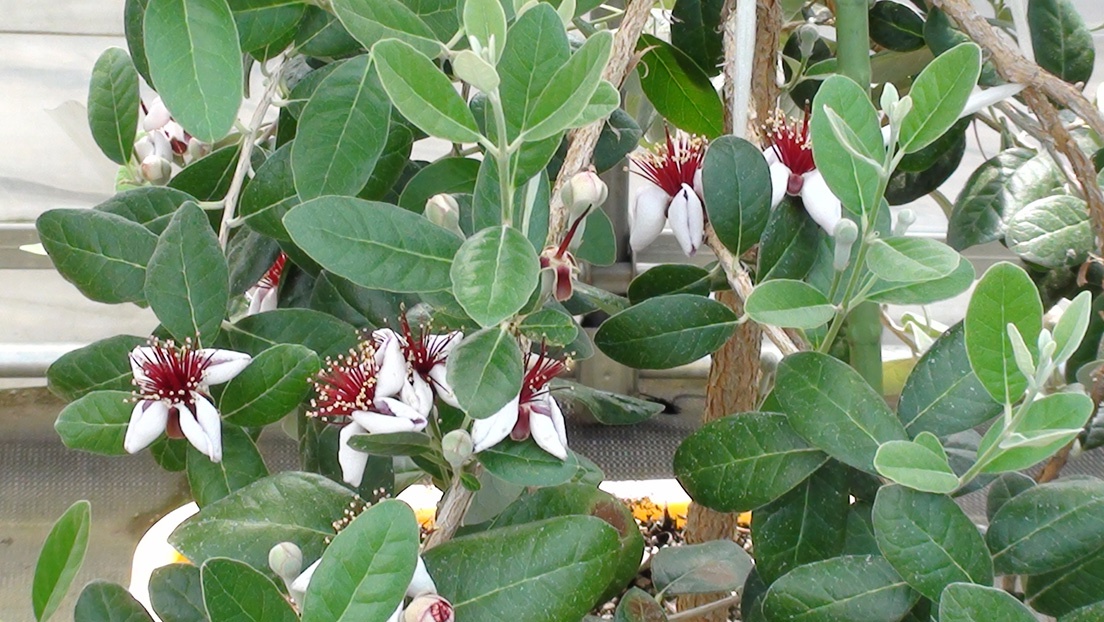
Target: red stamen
[790,142]
[539,374]
[420,353]
[571,232]
[673,164]
[172,372]
[346,385]
[271,278]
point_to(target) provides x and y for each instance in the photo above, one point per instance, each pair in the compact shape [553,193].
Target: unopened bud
[157,115]
[807,36]
[196,150]
[844,235]
[890,97]
[1051,317]
[473,69]
[156,169]
[457,447]
[583,191]
[905,218]
[443,211]
[429,608]
[286,560]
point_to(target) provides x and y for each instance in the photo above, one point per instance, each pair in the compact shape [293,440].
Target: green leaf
[235,591]
[273,384]
[286,507]
[366,570]
[1053,232]
[927,292]
[188,281]
[375,245]
[266,26]
[1062,41]
[1061,592]
[807,524]
[1004,295]
[484,20]
[716,566]
[788,246]
[370,21]
[494,273]
[620,135]
[103,255]
[240,466]
[96,422]
[1072,326]
[1050,423]
[60,558]
[445,176]
[422,93]
[929,540]
[134,13]
[923,172]
[270,195]
[101,601]
[176,593]
[150,206]
[113,104]
[942,395]
[852,179]
[1004,488]
[744,461]
[636,605]
[322,35]
[341,132]
[103,365]
[917,466]
[485,371]
[856,587]
[966,602]
[536,48]
[354,304]
[393,444]
[896,27]
[599,245]
[790,304]
[526,464]
[196,62]
[567,560]
[669,279]
[569,90]
[607,408]
[831,406]
[209,178]
[326,335]
[736,183]
[551,326]
[665,332]
[696,30]
[938,95]
[911,260]
[979,211]
[1047,527]
[1088,613]
[679,89]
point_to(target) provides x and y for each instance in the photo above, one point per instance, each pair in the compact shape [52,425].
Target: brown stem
[1053,468]
[451,513]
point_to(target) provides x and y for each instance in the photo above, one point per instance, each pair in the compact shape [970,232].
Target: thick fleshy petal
[143,148]
[649,213]
[157,115]
[780,177]
[771,156]
[980,99]
[687,219]
[557,419]
[698,183]
[175,132]
[401,410]
[261,299]
[352,461]
[207,416]
[223,365]
[418,395]
[391,363]
[543,431]
[490,431]
[298,588]
[444,344]
[376,423]
[147,423]
[438,374]
[421,583]
[162,148]
[820,203]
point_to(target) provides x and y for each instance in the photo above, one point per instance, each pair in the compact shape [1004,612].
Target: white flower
[426,356]
[793,172]
[673,196]
[171,385]
[263,296]
[534,412]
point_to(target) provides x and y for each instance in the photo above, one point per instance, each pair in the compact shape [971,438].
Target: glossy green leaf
[679,89]
[1088,613]
[979,210]
[96,422]
[568,561]
[696,30]
[599,245]
[266,26]
[422,93]
[938,95]
[150,206]
[904,259]
[669,279]
[60,558]
[1004,488]
[1047,527]
[240,466]
[1053,232]
[188,281]
[375,245]
[103,365]
[736,183]
[1070,329]
[744,461]
[790,304]
[929,540]
[917,465]
[966,602]
[550,326]
[666,331]
[209,178]
[926,292]
[942,395]
[1062,41]
[270,195]
[636,605]
[113,104]
[370,21]
[325,334]
[101,601]
[494,273]
[134,14]
[789,243]
[853,179]
[103,255]
[1050,423]
[855,587]
[273,384]
[235,591]
[608,408]
[484,20]
[341,132]
[354,304]
[570,89]
[925,171]
[176,593]
[716,566]
[322,35]
[536,48]
[834,409]
[896,27]
[1004,295]
[445,176]
[365,571]
[485,371]
[393,444]
[196,61]
[526,464]
[1063,591]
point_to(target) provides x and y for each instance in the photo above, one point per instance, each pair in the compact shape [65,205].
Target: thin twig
[690,614]
[453,507]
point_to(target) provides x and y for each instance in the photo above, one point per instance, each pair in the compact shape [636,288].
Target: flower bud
[583,191]
[890,97]
[286,560]
[845,234]
[457,447]
[196,149]
[429,608]
[156,169]
[905,218]
[443,211]
[807,36]
[157,115]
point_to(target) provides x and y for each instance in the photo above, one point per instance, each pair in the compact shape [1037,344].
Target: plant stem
[690,614]
[740,25]
[853,40]
[453,507]
[504,156]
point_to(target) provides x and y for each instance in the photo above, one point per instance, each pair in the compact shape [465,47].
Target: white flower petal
[376,423]
[421,583]
[443,344]
[698,183]
[418,395]
[143,148]
[298,588]
[402,410]
[139,356]
[980,99]
[162,148]
[544,433]
[820,203]
[147,422]
[438,374]
[649,213]
[211,423]
[174,131]
[687,220]
[391,362]
[490,431]
[193,431]
[780,178]
[351,460]
[157,115]
[223,365]
[557,419]
[771,156]
[261,299]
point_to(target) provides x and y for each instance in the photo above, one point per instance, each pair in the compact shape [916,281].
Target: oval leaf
[96,422]
[101,601]
[790,304]
[911,259]
[485,371]
[736,183]
[270,387]
[176,594]
[235,591]
[60,558]
[916,466]
[101,366]
[679,89]
[1053,232]
[240,466]
[717,566]
[113,104]
[666,331]
[966,602]
[526,464]
[851,178]
[494,273]
[938,95]
[1004,295]
[842,588]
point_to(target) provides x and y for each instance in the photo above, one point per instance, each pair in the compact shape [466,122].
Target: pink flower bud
[156,169]
[429,608]
[583,191]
